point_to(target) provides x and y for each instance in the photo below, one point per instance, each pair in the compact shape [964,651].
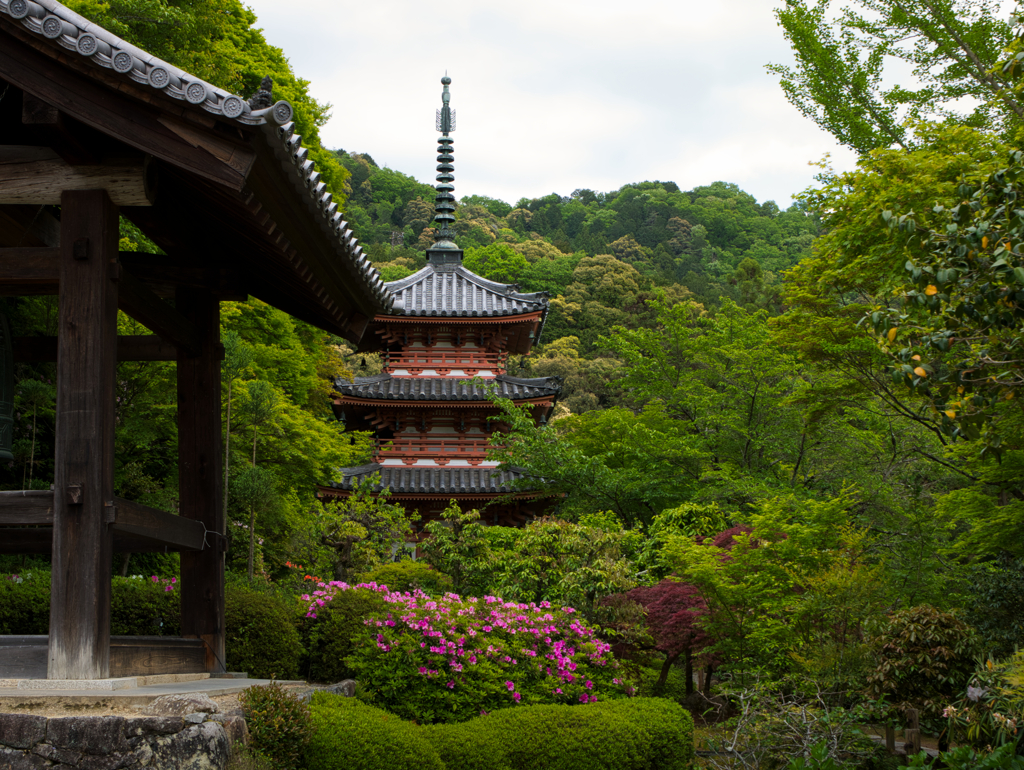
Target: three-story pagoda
[445,344]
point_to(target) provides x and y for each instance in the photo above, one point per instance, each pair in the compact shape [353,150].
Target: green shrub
[332,636]
[145,607]
[261,635]
[636,734]
[25,603]
[966,758]
[279,724]
[138,606]
[467,746]
[925,659]
[669,724]
[409,575]
[349,735]
[610,736]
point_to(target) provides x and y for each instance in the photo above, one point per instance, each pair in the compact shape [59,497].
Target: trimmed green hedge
[261,635]
[669,724]
[636,734]
[25,603]
[408,576]
[138,606]
[328,639]
[144,607]
[349,735]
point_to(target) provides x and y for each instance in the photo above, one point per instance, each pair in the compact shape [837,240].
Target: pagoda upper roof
[383,387]
[431,480]
[452,290]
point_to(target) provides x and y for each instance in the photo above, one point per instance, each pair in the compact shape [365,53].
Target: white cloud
[552,95]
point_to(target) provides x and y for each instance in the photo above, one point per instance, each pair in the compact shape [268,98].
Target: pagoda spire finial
[444,201]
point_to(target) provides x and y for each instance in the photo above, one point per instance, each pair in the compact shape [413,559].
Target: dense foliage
[788,457]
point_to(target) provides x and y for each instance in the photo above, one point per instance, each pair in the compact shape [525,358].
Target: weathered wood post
[912,735]
[199,476]
[79,645]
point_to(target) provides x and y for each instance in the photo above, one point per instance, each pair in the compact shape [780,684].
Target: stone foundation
[192,742]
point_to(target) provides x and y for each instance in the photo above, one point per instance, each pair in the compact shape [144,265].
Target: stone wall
[190,742]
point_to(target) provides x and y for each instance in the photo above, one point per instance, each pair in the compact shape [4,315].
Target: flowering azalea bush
[453,658]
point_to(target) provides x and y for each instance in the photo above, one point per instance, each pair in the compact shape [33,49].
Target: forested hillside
[712,242]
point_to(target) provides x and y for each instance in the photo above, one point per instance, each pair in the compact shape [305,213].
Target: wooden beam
[29,226]
[199,477]
[35,269]
[24,657]
[30,507]
[176,533]
[118,108]
[49,124]
[130,347]
[138,301]
[26,540]
[38,176]
[151,655]
[39,539]
[164,275]
[79,645]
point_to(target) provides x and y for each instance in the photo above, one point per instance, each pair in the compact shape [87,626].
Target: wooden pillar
[199,476]
[79,644]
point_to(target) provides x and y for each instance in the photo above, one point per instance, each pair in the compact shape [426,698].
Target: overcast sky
[552,95]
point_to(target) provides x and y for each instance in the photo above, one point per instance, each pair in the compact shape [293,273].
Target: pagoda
[445,343]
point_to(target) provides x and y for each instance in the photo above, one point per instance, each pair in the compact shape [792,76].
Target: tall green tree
[956,333]
[259,408]
[254,490]
[839,80]
[237,359]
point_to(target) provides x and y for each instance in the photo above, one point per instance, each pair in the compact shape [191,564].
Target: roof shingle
[432,480]
[387,387]
[453,290]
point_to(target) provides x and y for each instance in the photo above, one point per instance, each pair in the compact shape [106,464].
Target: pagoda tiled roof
[419,479]
[455,291]
[58,25]
[387,387]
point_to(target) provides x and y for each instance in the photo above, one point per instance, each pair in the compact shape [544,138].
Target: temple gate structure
[93,129]
[445,345]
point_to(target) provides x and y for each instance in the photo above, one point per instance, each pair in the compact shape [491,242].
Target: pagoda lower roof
[431,480]
[452,290]
[386,387]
